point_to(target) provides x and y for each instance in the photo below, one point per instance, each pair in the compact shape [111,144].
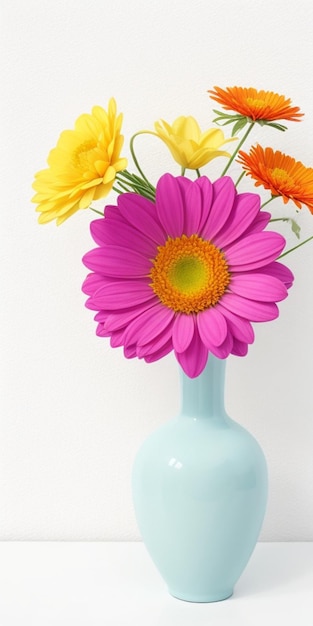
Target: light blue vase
[200,491]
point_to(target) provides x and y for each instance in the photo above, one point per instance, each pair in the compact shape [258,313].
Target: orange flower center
[255,103]
[281,177]
[189,274]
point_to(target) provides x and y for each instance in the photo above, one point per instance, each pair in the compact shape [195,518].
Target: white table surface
[104,584]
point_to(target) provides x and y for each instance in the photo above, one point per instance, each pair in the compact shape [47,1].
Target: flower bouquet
[187,265]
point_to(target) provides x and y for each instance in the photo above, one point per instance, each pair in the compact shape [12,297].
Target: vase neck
[204,396]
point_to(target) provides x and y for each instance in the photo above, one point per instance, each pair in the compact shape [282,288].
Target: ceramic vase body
[200,492]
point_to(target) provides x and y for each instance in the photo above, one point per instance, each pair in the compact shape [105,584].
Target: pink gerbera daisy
[187,273]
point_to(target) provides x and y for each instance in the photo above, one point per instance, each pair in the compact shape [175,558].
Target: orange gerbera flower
[281,174]
[257,105]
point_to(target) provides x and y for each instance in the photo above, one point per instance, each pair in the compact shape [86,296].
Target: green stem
[131,146]
[198,173]
[238,148]
[183,171]
[133,180]
[123,187]
[295,247]
[267,202]
[95,211]
[240,178]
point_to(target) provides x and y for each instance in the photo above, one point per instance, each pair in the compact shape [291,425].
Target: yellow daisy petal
[82,166]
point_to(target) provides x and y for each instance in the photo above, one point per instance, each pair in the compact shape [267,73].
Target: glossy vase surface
[200,492]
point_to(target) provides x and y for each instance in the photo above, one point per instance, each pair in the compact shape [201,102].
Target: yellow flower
[190,147]
[82,166]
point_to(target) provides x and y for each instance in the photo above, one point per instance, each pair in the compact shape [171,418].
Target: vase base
[202,598]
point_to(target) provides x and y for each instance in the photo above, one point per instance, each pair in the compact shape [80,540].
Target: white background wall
[74,411]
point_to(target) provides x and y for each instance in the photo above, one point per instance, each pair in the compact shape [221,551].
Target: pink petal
[258,287]
[259,224]
[141,214]
[156,325]
[122,295]
[223,351]
[148,325]
[193,214]
[92,282]
[100,332]
[117,262]
[112,212]
[130,352]
[194,359]
[89,304]
[239,327]
[254,251]
[249,309]
[245,209]
[124,235]
[279,270]
[206,188]
[157,344]
[170,205]
[159,354]
[184,184]
[212,327]
[117,339]
[97,229]
[224,193]
[239,348]
[101,316]
[183,330]
[121,319]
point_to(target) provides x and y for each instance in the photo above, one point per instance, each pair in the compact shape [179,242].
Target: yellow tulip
[190,147]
